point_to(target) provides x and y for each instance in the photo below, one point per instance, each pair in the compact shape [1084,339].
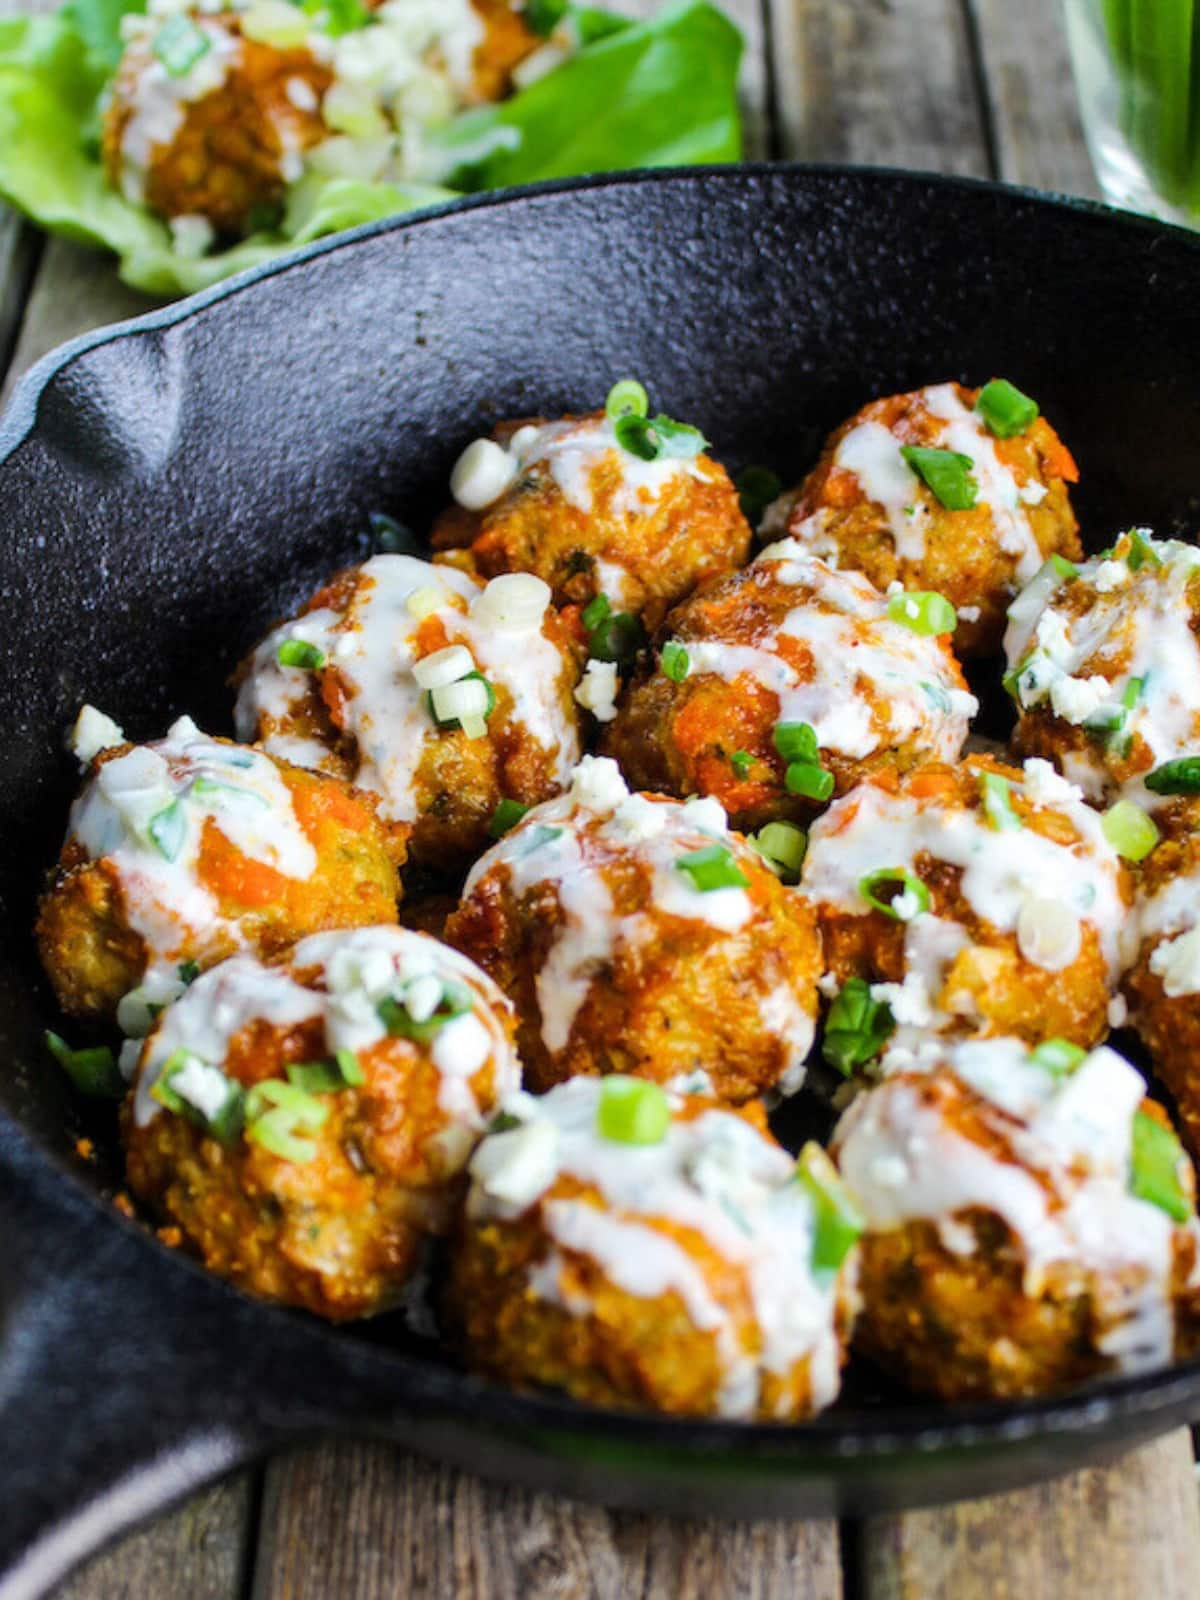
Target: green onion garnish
[93,1071]
[225,1124]
[1133,693]
[809,780]
[1059,1057]
[1130,830]
[179,44]
[1141,551]
[1156,1167]
[924,611]
[337,17]
[188,972]
[392,538]
[323,1077]
[1176,777]
[674,661]
[632,1111]
[997,802]
[741,761]
[627,398]
[617,637]
[168,830]
[505,817]
[757,487]
[797,741]
[946,473]
[783,845]
[350,1068]
[837,1220]
[911,899]
[711,868]
[656,438]
[299,653]
[274,1111]
[594,613]
[392,1012]
[857,1027]
[456,722]
[1004,409]
[1067,570]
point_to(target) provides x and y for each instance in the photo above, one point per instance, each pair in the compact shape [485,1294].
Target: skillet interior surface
[167,492]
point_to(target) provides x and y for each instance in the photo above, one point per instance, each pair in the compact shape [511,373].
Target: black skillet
[166,490]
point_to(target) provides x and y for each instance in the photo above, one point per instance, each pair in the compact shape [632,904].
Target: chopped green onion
[542,17]
[1130,830]
[455,1002]
[188,972]
[214,789]
[1133,693]
[299,653]
[1156,1168]
[797,741]
[632,1111]
[626,399]
[308,1111]
[433,696]
[837,1220]
[946,473]
[675,661]
[808,779]
[656,438]
[503,1122]
[997,802]
[757,487]
[1141,551]
[911,901]
[1004,409]
[505,817]
[275,1131]
[711,868]
[350,1068]
[741,761]
[179,44]
[1059,1057]
[316,1077]
[93,1071]
[226,1122]
[783,844]
[168,830]
[594,613]
[857,1027]
[924,611]
[392,538]
[617,638]
[1067,570]
[1176,777]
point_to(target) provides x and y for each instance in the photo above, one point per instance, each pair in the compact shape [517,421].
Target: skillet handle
[99,1427]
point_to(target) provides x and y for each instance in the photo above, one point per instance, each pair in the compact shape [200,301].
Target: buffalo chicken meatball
[1163,985]
[1104,664]
[976,899]
[217,108]
[567,501]
[641,1248]
[437,694]
[922,490]
[785,683]
[303,1126]
[1030,1222]
[637,935]
[182,852]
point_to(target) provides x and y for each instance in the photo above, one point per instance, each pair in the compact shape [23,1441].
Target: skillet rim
[870,1437]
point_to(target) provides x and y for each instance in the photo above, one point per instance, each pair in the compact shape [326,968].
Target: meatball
[303,1127]
[975,899]
[693,1270]
[182,852]
[1030,1222]
[1004,510]
[636,935]
[215,111]
[784,683]
[437,694]
[1163,985]
[1104,666]
[566,501]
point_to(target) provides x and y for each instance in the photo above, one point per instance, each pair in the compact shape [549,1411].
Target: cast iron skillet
[169,488]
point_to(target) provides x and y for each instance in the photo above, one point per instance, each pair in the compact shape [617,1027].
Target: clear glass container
[1137,70]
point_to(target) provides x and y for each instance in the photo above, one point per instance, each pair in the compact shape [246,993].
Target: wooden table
[967,86]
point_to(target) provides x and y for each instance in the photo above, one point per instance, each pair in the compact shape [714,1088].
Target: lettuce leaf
[648,94]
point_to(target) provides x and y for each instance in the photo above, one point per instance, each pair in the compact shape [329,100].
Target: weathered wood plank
[199,1552]
[368,1521]
[878,83]
[1124,1533]
[1034,111]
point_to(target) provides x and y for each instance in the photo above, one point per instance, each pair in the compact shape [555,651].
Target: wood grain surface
[979,87]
